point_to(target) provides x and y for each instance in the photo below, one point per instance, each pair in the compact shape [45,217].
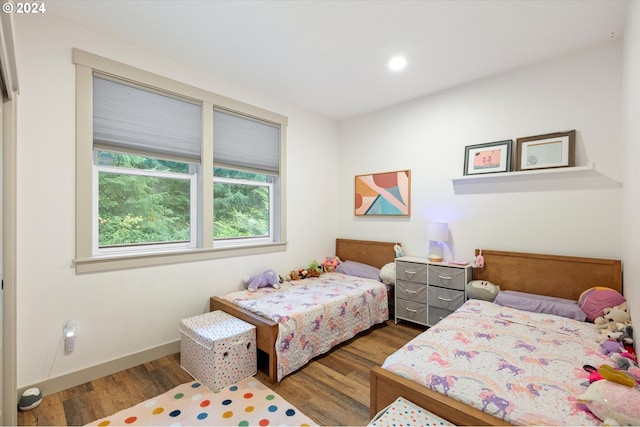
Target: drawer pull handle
[445,299]
[410,310]
[409,291]
[444,277]
[409,272]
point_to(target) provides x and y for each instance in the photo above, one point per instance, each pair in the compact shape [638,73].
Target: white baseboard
[54,385]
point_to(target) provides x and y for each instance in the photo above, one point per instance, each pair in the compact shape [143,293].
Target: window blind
[246,143]
[130,117]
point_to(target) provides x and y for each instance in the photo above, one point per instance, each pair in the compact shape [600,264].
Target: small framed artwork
[383,194]
[491,157]
[552,150]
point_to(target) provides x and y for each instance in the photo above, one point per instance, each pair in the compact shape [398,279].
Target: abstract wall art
[383,194]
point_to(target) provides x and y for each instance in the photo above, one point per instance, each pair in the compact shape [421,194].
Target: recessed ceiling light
[397,63]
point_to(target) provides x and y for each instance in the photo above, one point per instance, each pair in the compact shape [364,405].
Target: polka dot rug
[247,403]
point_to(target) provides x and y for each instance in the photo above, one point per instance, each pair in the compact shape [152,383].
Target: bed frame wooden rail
[553,275]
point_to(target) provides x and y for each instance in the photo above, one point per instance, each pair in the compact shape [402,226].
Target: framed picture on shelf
[383,194]
[490,157]
[552,150]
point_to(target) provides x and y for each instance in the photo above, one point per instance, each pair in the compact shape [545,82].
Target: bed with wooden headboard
[551,275]
[372,253]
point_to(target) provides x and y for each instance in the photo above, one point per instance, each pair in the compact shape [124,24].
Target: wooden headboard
[553,275]
[367,252]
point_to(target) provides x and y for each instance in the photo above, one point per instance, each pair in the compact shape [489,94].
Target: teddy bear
[262,280]
[294,275]
[303,273]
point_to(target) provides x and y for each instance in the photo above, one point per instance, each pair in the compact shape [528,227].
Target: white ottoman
[404,413]
[218,349]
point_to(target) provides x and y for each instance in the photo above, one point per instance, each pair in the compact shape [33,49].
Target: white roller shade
[245,142]
[126,116]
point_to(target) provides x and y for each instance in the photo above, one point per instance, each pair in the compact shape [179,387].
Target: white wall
[571,216]
[125,312]
[631,151]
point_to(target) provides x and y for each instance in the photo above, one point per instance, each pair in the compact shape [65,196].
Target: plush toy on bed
[315,266]
[613,324]
[609,347]
[262,280]
[617,314]
[303,273]
[330,263]
[613,403]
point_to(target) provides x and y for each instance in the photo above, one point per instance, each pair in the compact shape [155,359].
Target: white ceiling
[331,56]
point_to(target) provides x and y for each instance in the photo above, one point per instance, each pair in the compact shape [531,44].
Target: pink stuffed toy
[330,263]
[267,278]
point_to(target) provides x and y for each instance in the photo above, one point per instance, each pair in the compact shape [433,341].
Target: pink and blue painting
[384,194]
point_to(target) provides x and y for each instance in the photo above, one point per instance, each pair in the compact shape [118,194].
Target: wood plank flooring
[332,389]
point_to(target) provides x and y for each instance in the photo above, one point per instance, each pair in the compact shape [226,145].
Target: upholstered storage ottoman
[218,349]
[404,413]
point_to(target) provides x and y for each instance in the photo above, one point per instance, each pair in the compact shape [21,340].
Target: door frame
[9,391]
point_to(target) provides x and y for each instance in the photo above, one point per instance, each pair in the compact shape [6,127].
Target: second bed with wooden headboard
[531,362]
[371,253]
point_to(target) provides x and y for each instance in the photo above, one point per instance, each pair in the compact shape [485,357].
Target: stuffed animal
[315,266]
[627,335]
[617,314]
[267,278]
[303,273]
[614,404]
[294,275]
[330,263]
[609,347]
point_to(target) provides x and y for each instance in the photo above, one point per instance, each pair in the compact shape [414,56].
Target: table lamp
[436,232]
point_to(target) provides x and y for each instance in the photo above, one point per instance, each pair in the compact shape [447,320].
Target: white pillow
[388,273]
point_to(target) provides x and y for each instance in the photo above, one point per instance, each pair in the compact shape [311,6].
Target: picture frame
[552,150]
[490,157]
[383,194]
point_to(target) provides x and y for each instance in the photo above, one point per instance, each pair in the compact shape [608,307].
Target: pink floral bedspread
[526,368]
[315,314]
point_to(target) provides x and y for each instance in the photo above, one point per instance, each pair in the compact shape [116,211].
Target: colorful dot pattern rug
[247,403]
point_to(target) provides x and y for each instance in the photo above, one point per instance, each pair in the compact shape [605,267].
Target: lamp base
[435,258]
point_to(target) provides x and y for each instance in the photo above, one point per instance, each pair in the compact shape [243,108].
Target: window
[246,178]
[169,173]
[143,201]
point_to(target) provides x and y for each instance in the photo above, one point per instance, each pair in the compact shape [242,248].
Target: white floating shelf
[527,174]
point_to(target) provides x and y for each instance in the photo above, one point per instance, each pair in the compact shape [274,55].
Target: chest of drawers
[426,292]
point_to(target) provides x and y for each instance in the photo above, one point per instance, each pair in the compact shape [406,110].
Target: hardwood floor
[332,389]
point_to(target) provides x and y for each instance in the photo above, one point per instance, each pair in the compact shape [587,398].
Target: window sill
[121,262]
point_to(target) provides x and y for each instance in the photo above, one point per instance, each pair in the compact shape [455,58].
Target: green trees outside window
[143,200]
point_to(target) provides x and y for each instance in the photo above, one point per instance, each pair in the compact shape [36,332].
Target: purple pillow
[359,269]
[541,304]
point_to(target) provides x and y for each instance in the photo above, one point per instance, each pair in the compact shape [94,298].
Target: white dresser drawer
[410,271]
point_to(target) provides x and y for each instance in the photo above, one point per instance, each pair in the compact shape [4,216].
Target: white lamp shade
[437,231]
